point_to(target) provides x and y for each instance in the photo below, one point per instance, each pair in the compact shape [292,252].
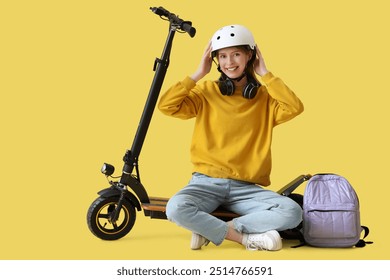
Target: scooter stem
[160,68]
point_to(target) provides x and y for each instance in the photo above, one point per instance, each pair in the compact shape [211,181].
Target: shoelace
[254,245]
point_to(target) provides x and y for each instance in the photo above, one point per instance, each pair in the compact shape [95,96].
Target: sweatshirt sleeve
[286,104]
[182,100]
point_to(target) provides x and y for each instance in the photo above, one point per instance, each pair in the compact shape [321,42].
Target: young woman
[231,145]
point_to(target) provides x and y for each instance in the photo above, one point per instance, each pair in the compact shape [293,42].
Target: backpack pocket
[334,227]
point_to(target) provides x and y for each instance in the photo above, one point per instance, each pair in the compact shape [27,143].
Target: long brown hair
[250,68]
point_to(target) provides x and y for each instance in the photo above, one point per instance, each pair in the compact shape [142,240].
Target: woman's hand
[204,66]
[259,64]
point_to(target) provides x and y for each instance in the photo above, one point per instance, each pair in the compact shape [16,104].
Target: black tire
[99,221]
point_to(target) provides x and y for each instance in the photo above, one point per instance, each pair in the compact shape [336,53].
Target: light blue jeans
[260,209]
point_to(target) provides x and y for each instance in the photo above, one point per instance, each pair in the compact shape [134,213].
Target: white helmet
[230,36]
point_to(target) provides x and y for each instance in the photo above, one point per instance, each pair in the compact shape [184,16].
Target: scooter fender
[109,192]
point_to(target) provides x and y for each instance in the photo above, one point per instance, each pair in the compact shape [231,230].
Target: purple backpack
[331,216]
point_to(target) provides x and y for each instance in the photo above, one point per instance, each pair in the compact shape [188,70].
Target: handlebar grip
[187,27]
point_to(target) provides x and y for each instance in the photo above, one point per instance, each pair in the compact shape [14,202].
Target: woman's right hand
[204,66]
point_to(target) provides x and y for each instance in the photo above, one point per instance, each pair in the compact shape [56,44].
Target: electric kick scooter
[112,215]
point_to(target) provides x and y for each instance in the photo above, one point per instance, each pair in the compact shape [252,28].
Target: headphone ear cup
[250,90]
[226,87]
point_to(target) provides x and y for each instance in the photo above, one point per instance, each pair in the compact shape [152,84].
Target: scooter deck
[157,206]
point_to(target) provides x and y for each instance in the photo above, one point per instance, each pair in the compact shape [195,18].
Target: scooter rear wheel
[99,218]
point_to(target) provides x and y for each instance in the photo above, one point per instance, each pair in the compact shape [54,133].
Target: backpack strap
[299,245]
[361,243]
[301,240]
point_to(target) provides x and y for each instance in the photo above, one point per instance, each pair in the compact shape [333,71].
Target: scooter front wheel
[100,221]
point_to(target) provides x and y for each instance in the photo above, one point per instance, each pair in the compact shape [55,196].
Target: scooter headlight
[107,169]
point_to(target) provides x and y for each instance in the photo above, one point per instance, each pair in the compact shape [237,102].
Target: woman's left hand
[259,64]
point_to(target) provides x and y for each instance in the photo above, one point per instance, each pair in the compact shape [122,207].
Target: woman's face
[233,61]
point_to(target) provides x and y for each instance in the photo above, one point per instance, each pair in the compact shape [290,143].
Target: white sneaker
[197,241]
[269,240]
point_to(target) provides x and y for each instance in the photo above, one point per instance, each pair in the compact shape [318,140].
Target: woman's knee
[171,209]
[177,208]
[293,213]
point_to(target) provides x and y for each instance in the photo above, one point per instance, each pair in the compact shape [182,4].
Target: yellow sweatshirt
[232,135]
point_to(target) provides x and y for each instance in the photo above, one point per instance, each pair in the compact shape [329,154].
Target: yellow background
[74,79]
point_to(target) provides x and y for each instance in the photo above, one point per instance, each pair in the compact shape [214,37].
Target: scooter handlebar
[187,27]
[183,25]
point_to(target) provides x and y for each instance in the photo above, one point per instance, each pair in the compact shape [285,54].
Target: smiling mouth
[232,68]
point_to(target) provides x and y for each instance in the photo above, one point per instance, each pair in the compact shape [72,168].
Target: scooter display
[113,214]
